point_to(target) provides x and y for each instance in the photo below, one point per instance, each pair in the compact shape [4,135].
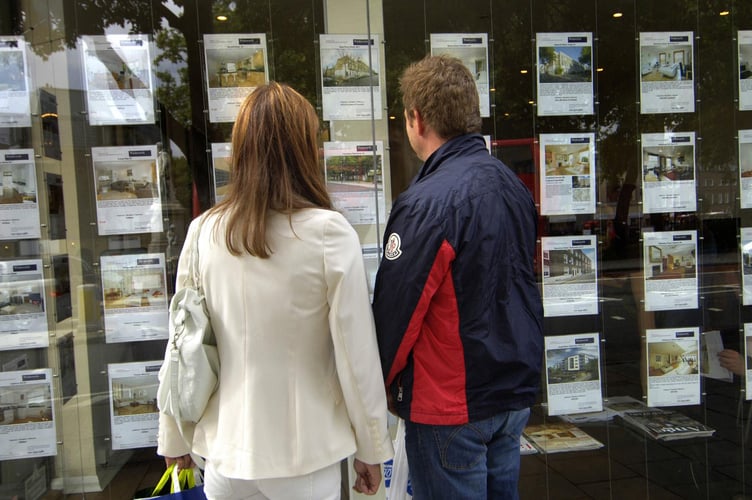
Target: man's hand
[369,477]
[732,360]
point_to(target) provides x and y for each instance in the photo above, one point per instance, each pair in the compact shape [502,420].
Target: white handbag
[190,372]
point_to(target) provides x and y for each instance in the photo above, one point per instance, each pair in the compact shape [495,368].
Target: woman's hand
[184,462]
[369,477]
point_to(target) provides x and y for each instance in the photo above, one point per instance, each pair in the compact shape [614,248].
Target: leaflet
[350,77]
[711,343]
[371,256]
[15,107]
[354,179]
[567,174]
[668,172]
[235,65]
[673,366]
[745,70]
[221,153]
[666,69]
[118,79]
[23,321]
[745,233]
[134,416]
[27,416]
[128,193]
[573,373]
[747,360]
[670,263]
[134,288]
[745,167]
[570,271]
[472,50]
[19,207]
[565,73]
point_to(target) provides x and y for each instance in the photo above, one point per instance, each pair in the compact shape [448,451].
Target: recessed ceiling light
[617,14]
[221,18]
[523,71]
[599,70]
[724,13]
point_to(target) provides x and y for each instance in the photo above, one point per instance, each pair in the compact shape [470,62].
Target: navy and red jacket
[457,307]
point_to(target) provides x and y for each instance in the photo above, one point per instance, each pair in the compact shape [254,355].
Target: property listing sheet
[573,373]
[134,288]
[23,321]
[668,172]
[748,360]
[670,270]
[354,179]
[745,233]
[565,73]
[118,79]
[711,344]
[350,77]
[235,65]
[19,206]
[744,40]
[221,160]
[666,72]
[567,172]
[15,110]
[472,50]
[27,425]
[134,415]
[745,168]
[127,188]
[673,366]
[570,271]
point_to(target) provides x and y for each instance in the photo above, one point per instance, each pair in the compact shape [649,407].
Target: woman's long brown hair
[275,166]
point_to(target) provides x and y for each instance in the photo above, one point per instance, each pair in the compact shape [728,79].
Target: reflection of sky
[555,356]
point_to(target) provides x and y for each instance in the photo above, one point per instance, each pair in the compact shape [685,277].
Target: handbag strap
[193,265]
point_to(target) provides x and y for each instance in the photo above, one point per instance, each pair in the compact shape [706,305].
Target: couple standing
[456,306]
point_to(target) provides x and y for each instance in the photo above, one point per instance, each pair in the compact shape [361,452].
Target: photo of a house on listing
[560,64]
[662,63]
[676,357]
[236,67]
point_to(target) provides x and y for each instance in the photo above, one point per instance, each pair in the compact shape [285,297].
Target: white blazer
[301,385]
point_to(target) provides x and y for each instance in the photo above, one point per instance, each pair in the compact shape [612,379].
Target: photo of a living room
[672,358]
[668,163]
[134,395]
[660,63]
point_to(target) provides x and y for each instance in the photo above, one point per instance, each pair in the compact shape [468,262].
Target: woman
[301,386]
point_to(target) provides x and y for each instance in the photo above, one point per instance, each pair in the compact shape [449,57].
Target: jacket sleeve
[170,441]
[354,338]
[416,259]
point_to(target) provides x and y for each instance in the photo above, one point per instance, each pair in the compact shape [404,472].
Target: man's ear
[419,123]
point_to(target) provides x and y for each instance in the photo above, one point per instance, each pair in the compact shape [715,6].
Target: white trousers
[323,484]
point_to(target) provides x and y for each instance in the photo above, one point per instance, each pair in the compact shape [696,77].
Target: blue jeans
[479,460]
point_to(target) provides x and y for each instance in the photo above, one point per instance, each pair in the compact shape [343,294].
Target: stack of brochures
[657,423]
[556,437]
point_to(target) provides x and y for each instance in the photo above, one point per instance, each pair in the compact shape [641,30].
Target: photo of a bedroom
[661,63]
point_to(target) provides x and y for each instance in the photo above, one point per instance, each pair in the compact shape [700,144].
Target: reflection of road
[349,186]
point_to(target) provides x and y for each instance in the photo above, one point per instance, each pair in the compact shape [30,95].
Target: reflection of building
[573,262]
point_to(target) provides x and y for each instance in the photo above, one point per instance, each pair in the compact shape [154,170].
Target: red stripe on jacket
[433,336]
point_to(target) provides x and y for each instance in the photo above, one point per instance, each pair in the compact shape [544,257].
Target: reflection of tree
[351,168]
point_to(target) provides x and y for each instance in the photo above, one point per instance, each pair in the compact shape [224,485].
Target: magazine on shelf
[665,425]
[557,437]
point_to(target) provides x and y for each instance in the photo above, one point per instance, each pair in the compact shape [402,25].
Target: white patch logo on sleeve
[393,250]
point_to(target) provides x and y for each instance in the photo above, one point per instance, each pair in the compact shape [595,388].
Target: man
[457,307]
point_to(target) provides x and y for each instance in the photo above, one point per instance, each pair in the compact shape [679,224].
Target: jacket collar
[468,143]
